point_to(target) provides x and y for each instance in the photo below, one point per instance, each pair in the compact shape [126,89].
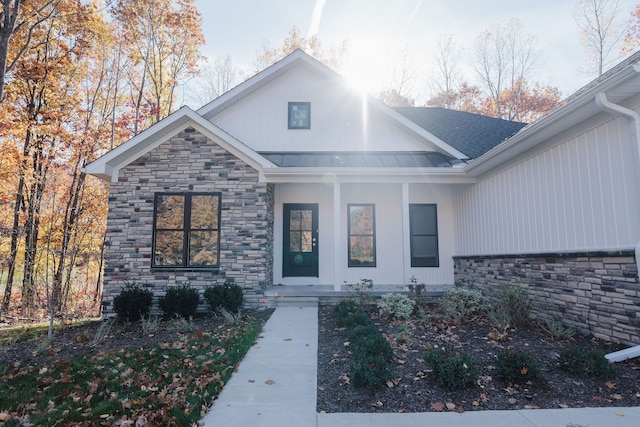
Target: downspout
[603,103]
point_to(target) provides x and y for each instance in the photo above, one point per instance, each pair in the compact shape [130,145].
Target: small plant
[403,336]
[43,345]
[557,331]
[586,363]
[349,314]
[515,301]
[229,317]
[149,324]
[227,296]
[396,305]
[103,330]
[179,323]
[132,303]
[517,366]
[452,368]
[360,291]
[499,319]
[462,302]
[180,300]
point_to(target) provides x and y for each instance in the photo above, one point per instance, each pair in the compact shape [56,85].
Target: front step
[296,301]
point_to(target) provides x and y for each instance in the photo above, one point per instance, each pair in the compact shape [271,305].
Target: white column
[406,238]
[338,274]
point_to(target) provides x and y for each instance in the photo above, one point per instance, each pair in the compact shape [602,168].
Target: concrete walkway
[276,386]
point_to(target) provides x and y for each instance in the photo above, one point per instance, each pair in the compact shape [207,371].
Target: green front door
[300,242]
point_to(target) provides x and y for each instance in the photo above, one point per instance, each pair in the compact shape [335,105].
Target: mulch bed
[414,389]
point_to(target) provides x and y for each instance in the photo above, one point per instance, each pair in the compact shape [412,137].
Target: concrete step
[296,301]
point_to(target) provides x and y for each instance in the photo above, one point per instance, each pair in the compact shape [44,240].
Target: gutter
[604,104]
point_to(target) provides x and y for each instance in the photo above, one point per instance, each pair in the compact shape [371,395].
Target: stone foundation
[190,162]
[593,293]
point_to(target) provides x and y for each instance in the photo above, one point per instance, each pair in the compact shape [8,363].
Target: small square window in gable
[299,115]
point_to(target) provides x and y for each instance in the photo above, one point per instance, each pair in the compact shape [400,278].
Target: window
[299,115]
[423,227]
[186,230]
[362,237]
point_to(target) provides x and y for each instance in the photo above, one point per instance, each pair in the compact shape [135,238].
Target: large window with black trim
[362,235]
[423,227]
[186,230]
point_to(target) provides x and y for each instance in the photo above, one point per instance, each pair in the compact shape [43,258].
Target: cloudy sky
[377,28]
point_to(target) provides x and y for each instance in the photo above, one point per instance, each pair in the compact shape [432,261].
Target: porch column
[337,268]
[406,238]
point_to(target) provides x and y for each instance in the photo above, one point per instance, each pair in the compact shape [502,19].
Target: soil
[414,389]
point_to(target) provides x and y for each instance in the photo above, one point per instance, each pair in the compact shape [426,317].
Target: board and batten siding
[579,192]
[392,267]
[341,120]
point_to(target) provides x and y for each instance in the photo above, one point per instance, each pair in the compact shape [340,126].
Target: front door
[300,242]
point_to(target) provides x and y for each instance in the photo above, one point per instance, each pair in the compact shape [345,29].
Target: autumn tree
[600,29]
[632,33]
[267,55]
[446,80]
[164,38]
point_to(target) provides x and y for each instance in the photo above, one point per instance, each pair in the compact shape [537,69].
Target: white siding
[390,242]
[339,119]
[576,193]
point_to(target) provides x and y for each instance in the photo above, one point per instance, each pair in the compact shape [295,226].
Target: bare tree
[215,78]
[445,82]
[600,30]
[505,58]
[399,91]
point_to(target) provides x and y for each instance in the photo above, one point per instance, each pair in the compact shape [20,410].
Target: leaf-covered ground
[125,377]
[413,388]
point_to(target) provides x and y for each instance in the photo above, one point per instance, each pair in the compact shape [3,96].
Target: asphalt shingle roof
[472,134]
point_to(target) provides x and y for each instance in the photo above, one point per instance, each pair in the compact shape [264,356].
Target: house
[292,179]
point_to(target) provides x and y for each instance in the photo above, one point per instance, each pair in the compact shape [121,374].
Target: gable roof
[108,166]
[300,58]
[472,134]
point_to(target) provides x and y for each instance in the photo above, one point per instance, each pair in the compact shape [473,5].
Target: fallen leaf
[379,404]
[437,406]
[610,385]
[252,381]
[390,384]
[451,406]
[288,339]
[475,403]
[269,382]
[638,395]
[531,407]
[563,405]
[617,396]
[512,401]
[483,397]
[459,409]
[320,388]
[619,414]
[4,416]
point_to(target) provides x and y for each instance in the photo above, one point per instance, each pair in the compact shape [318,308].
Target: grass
[167,383]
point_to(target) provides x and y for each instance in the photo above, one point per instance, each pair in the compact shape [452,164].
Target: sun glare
[364,67]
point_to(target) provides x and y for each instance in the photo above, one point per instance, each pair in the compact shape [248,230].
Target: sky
[375,29]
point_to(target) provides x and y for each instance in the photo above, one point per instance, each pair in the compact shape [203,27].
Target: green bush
[132,303]
[180,300]
[227,296]
[586,363]
[515,301]
[369,348]
[517,366]
[399,306]
[463,303]
[453,368]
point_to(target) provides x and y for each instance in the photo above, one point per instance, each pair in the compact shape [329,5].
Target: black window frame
[186,230]
[290,110]
[415,262]
[350,262]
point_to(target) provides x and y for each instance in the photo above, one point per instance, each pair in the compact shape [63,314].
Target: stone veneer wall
[185,163]
[594,293]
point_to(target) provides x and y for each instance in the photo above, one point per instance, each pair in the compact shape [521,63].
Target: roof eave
[562,118]
[367,175]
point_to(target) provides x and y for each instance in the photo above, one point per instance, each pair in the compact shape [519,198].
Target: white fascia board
[368,175]
[108,166]
[562,118]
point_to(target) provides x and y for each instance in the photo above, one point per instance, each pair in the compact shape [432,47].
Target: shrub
[349,314]
[399,306]
[586,363]
[515,301]
[227,296]
[517,366]
[463,303]
[452,368]
[180,300]
[371,370]
[367,340]
[132,303]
